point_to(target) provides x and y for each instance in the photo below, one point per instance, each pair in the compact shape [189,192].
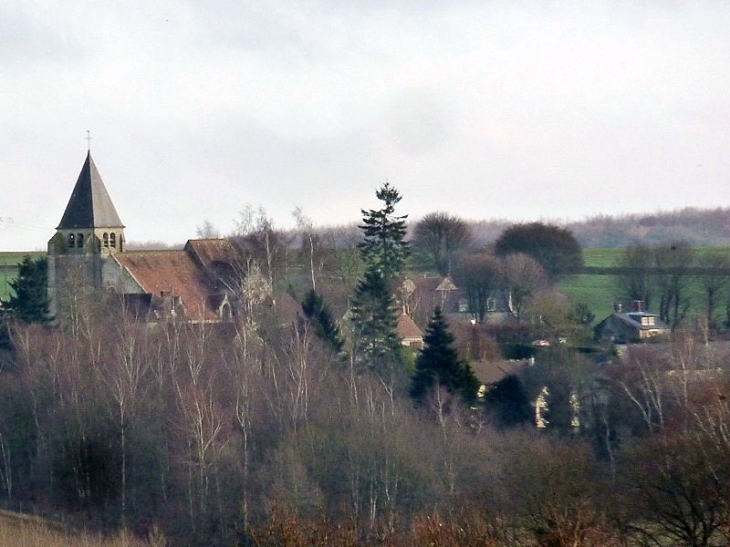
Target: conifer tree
[377,346]
[384,247]
[29,303]
[319,313]
[439,364]
[384,251]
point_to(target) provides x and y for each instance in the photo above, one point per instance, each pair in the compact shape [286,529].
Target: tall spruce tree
[384,252]
[376,346]
[384,247]
[29,303]
[439,364]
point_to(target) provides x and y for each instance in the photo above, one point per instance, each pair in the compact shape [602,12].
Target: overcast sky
[522,110]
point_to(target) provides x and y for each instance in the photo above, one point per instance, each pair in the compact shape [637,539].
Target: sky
[520,110]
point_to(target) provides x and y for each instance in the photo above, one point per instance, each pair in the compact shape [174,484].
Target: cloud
[509,109]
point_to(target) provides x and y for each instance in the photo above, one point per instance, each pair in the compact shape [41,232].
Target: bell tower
[89,231]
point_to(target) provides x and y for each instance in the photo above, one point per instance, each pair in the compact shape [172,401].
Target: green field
[609,257]
[599,292]
[9,270]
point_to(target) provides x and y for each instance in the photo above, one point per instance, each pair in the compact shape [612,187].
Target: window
[80,241]
[113,240]
[71,241]
[648,321]
[106,239]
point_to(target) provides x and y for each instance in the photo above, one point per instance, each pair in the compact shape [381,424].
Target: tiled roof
[407,329]
[90,205]
[174,271]
[208,251]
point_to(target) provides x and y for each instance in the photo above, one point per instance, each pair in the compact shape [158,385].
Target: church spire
[90,205]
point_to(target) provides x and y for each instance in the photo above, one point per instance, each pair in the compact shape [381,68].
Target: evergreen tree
[319,313]
[439,364]
[29,303]
[376,346]
[384,247]
[384,251]
[508,403]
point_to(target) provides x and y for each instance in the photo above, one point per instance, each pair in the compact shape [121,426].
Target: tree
[522,276]
[207,230]
[384,248]
[507,402]
[479,275]
[714,282]
[555,248]
[672,280]
[29,304]
[440,236]
[384,252]
[376,346]
[319,313]
[439,365]
[259,242]
[634,281]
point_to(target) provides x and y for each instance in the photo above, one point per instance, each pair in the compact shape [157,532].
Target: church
[194,284]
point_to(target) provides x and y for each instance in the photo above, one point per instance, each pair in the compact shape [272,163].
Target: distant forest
[697,227]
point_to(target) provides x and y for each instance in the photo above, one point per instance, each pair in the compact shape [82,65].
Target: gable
[171,274]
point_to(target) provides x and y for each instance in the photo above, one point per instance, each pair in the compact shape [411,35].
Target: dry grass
[27,531]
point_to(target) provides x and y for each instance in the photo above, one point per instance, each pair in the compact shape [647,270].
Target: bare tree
[440,236]
[480,276]
[258,240]
[672,279]
[714,282]
[207,230]
[522,277]
[635,282]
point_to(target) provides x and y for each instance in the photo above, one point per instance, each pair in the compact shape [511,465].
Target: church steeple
[90,206]
[90,223]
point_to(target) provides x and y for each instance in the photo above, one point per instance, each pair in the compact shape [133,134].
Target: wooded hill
[697,227]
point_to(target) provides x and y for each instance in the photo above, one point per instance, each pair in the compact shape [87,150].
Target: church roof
[90,205]
[174,272]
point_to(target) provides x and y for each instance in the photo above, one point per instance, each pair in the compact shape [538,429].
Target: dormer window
[648,321]
[71,241]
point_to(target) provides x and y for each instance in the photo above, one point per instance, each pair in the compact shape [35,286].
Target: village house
[632,326]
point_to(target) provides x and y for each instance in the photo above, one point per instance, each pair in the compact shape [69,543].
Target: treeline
[697,227]
[219,435]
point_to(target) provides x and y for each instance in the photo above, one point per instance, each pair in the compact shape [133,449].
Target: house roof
[447,285]
[634,319]
[407,328]
[174,271]
[90,205]
[491,372]
[209,251]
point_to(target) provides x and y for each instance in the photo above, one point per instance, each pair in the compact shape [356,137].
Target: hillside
[698,227]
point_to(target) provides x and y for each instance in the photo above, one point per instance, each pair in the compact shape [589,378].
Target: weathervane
[88,140]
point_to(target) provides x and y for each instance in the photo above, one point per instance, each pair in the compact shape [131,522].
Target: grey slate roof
[90,205]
